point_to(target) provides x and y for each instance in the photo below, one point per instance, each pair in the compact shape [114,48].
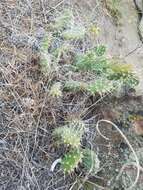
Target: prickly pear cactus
[45,44]
[77,124]
[64,20]
[101,86]
[100,50]
[90,161]
[74,33]
[91,62]
[45,64]
[56,90]
[71,160]
[122,72]
[69,135]
[75,85]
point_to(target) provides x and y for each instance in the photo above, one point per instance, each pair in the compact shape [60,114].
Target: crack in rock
[139,8]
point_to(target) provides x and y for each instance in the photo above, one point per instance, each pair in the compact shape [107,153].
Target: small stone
[138,125]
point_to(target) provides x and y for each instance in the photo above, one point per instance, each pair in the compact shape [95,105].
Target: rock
[139,4]
[138,125]
[141,29]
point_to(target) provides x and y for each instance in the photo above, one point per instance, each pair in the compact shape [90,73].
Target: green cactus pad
[75,85]
[75,33]
[69,135]
[122,73]
[100,50]
[45,64]
[90,161]
[101,86]
[64,20]
[71,161]
[91,62]
[45,44]
[55,90]
[77,124]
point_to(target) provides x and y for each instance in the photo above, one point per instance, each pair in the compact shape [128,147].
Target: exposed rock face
[139,4]
[131,32]
[139,7]
[125,39]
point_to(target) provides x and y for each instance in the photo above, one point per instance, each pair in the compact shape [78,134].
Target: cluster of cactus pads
[97,75]
[71,136]
[110,74]
[105,75]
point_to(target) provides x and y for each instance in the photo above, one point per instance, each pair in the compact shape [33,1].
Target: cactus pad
[90,161]
[74,33]
[100,50]
[56,90]
[71,161]
[69,135]
[101,86]
[75,85]
[91,62]
[64,20]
